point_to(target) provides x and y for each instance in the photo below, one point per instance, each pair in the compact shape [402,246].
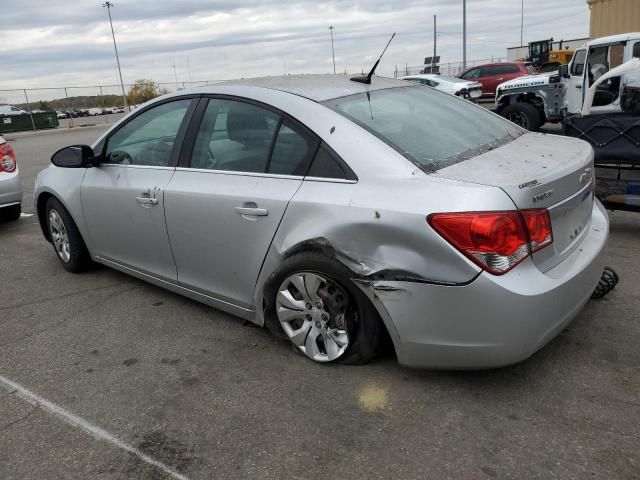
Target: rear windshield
[430,128]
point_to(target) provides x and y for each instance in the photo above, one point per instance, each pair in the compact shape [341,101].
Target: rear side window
[636,50]
[234,136]
[507,69]
[292,152]
[430,129]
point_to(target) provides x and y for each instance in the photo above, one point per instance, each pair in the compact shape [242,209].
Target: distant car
[10,186]
[93,112]
[493,74]
[11,110]
[62,114]
[451,85]
[118,110]
[336,212]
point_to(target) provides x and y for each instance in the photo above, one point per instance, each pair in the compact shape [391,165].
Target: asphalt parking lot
[98,362]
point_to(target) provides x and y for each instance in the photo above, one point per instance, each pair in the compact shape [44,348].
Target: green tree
[144,90]
[44,105]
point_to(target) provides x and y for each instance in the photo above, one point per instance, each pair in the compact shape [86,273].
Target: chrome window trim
[329,180]
[145,167]
[244,174]
[266,175]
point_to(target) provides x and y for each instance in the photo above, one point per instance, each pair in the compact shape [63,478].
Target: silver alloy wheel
[59,236]
[312,311]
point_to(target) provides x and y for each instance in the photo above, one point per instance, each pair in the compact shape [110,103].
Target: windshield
[430,128]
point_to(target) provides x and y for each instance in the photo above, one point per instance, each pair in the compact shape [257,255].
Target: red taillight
[496,241]
[538,224]
[7,158]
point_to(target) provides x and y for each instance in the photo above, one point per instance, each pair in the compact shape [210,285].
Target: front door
[575,83]
[123,199]
[223,210]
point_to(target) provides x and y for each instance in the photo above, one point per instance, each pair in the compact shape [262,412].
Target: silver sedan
[10,186]
[339,215]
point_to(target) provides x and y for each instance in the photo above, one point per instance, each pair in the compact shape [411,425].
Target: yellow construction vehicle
[544,58]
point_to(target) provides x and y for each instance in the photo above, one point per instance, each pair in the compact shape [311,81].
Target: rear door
[223,205]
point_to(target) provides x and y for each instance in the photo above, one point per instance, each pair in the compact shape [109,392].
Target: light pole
[108,5]
[464,34]
[522,24]
[333,54]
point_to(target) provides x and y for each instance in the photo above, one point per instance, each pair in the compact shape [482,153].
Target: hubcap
[59,236]
[312,311]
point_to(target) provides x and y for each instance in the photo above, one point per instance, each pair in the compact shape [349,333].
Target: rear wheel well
[322,247]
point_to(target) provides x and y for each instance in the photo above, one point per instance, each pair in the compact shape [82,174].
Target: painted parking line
[84,425]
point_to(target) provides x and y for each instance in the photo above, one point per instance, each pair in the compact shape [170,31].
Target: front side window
[577,65]
[430,129]
[475,73]
[234,136]
[148,138]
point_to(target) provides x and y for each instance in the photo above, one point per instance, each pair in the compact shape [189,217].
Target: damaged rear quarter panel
[379,227]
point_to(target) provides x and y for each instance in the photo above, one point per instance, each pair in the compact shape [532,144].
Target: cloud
[69,42]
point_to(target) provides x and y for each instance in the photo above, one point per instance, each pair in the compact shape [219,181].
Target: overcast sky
[68,42]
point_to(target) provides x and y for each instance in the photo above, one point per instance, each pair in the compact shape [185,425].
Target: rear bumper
[10,189]
[492,321]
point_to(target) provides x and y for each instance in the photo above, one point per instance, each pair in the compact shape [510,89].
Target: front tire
[523,114]
[312,300]
[66,239]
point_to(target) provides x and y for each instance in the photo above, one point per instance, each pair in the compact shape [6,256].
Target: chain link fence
[78,106]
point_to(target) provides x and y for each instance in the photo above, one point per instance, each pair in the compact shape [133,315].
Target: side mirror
[563,71]
[75,156]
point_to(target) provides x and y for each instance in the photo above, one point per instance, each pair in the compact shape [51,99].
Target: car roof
[318,88]
[495,63]
[623,37]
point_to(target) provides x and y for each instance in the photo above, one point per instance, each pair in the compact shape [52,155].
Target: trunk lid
[540,171]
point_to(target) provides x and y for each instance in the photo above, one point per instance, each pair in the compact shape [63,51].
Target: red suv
[493,74]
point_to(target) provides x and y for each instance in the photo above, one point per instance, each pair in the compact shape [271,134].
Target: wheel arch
[41,204]
[322,246]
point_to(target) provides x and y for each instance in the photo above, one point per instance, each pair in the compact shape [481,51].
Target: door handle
[579,87]
[147,200]
[252,211]
[500,79]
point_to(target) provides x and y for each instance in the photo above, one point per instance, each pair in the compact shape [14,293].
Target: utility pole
[333,54]
[108,6]
[522,25]
[464,34]
[433,60]
[175,74]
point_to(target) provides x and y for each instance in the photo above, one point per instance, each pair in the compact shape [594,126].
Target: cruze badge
[541,196]
[585,177]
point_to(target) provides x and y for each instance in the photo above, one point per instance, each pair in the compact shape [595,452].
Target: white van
[11,110]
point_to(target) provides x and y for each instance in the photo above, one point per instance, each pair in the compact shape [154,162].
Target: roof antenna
[367,78]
